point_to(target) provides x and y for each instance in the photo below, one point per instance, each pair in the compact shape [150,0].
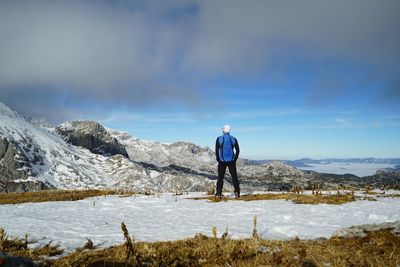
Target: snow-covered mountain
[184,154]
[189,156]
[84,154]
[35,155]
[35,158]
[186,159]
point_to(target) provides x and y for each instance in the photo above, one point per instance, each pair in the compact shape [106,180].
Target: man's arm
[237,150]
[217,150]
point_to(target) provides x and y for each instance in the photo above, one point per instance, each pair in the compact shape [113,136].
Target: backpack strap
[222,148]
[232,142]
[233,145]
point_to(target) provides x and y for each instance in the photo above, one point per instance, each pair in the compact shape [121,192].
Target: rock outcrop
[10,168]
[91,135]
[362,230]
[13,174]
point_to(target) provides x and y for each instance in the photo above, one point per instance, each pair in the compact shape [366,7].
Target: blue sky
[293,79]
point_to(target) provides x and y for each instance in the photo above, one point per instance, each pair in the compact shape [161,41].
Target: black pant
[221,173]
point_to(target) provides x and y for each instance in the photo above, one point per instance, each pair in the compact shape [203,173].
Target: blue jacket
[224,146]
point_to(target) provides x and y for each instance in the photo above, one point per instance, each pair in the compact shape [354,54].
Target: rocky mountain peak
[91,135]
[190,147]
[278,168]
[83,126]
[276,164]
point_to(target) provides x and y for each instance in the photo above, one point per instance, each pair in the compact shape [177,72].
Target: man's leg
[235,181]
[221,174]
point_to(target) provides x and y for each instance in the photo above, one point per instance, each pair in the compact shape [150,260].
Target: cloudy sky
[309,78]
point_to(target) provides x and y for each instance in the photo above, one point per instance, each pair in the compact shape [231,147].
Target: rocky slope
[91,135]
[184,154]
[13,169]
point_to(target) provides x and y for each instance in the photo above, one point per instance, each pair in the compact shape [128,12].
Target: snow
[168,217]
[359,169]
[65,166]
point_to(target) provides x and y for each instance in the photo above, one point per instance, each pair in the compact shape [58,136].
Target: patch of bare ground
[335,199]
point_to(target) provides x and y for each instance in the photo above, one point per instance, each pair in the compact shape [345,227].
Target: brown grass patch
[381,248]
[373,193]
[19,247]
[336,199]
[56,195]
[389,195]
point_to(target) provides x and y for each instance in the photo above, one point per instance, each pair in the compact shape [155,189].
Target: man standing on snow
[227,158]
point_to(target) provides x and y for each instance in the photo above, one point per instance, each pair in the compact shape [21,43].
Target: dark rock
[93,136]
[13,177]
[10,168]
[19,261]
[23,186]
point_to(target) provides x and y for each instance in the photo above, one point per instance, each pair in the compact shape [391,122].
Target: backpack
[226,145]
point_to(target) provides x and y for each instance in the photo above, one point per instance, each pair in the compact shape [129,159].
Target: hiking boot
[218,197]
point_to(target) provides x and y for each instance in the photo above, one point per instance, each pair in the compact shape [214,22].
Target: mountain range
[35,155]
[307,162]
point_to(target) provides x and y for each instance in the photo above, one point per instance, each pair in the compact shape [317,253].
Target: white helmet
[226,128]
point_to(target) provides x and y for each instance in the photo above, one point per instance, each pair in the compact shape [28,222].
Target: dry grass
[381,248]
[373,193]
[390,195]
[19,247]
[336,199]
[55,195]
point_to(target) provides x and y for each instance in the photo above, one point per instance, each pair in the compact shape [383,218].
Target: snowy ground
[166,217]
[359,169]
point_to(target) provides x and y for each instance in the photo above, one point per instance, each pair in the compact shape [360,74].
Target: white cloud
[158,52]
[340,120]
[129,117]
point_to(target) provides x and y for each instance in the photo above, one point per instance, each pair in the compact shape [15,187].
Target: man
[226,157]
